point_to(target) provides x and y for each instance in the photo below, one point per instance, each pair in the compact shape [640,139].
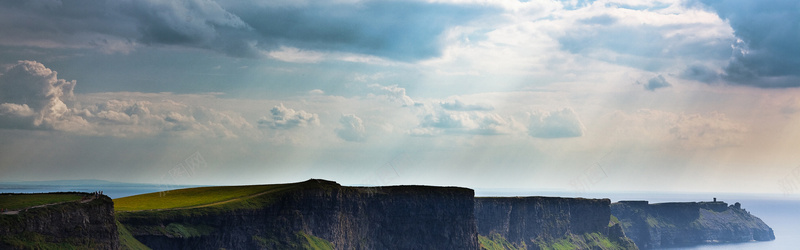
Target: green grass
[300,240]
[613,221]
[652,221]
[191,197]
[497,242]
[20,201]
[126,240]
[30,240]
[308,241]
[585,241]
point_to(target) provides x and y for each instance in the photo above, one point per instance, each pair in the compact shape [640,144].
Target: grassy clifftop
[200,197]
[21,201]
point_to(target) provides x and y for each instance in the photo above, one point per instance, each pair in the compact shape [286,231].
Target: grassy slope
[30,240]
[20,201]
[126,240]
[586,241]
[192,197]
[308,241]
[497,242]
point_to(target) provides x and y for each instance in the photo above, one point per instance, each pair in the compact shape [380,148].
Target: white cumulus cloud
[286,118]
[393,93]
[33,97]
[352,128]
[559,124]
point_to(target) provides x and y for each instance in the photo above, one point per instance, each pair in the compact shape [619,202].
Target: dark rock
[398,217]
[89,225]
[688,223]
[532,220]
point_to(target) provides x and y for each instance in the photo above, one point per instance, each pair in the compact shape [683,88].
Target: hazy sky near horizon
[583,96]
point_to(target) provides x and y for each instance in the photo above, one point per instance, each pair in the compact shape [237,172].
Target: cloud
[559,124]
[138,118]
[476,123]
[656,83]
[685,131]
[457,105]
[706,131]
[791,106]
[700,73]
[405,31]
[286,118]
[599,20]
[16,116]
[766,55]
[32,97]
[31,92]
[399,30]
[352,128]
[652,37]
[394,93]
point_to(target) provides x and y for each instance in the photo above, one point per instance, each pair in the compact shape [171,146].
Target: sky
[576,96]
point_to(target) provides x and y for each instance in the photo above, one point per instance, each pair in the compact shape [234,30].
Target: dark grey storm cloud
[406,30]
[700,73]
[769,55]
[656,83]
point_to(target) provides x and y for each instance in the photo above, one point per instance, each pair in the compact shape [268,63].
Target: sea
[111,189]
[780,212]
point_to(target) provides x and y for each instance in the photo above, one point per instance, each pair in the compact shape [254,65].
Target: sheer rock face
[88,225]
[398,217]
[526,219]
[688,223]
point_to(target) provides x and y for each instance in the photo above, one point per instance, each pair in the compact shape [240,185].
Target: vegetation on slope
[190,197]
[20,201]
[126,240]
[585,241]
[497,242]
[31,240]
[300,240]
[201,197]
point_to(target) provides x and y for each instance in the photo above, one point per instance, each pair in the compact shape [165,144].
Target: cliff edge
[688,223]
[315,214]
[59,221]
[548,222]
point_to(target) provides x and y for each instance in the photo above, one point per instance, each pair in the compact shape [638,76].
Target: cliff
[543,222]
[320,214]
[78,224]
[688,223]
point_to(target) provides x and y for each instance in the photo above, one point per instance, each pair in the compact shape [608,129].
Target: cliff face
[401,217]
[89,225]
[534,221]
[688,223]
